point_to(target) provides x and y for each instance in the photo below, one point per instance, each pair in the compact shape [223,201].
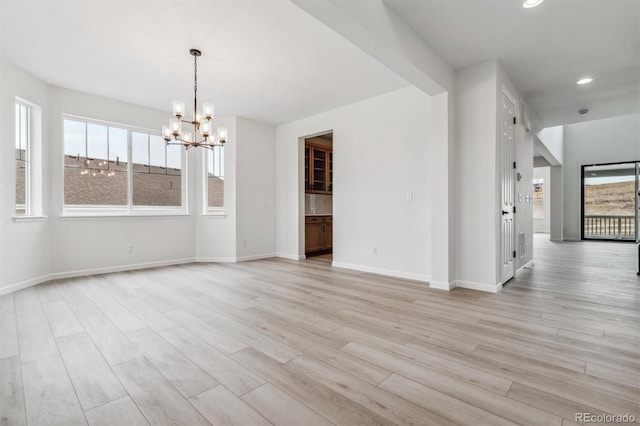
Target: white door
[507,181]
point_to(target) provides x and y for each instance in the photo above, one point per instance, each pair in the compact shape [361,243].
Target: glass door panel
[307,184]
[319,170]
[609,198]
[638,204]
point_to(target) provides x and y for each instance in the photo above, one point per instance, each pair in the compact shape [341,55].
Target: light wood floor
[299,343]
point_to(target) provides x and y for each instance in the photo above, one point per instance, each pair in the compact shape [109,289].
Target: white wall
[552,138]
[381,153]
[600,141]
[556,204]
[80,244]
[256,190]
[35,251]
[24,246]
[476,186]
[524,195]
[543,225]
[216,233]
[478,197]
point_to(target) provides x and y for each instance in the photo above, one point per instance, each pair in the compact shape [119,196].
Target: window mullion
[27,157]
[129,172]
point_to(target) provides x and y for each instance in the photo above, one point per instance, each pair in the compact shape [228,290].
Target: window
[23,163]
[214,160]
[100,175]
[95,164]
[157,171]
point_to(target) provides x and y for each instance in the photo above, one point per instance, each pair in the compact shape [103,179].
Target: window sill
[141,215]
[214,213]
[19,219]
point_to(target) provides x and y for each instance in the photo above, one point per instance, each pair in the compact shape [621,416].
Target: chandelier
[203,133]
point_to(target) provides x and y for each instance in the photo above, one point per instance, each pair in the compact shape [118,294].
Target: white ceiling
[545,50]
[262,59]
[269,60]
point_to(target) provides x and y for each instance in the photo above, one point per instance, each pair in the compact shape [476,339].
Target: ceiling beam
[378,31]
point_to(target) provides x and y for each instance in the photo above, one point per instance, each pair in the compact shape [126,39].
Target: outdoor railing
[622,227]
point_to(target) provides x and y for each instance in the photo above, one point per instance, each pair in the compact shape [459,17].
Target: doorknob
[504,212]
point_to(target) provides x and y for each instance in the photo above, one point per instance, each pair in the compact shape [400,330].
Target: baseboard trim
[489,288]
[382,271]
[255,257]
[291,256]
[441,285]
[119,268]
[202,259]
[94,271]
[527,265]
[24,284]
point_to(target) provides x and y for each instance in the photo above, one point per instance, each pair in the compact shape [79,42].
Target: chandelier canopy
[203,133]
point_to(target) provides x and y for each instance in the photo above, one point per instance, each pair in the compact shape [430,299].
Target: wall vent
[521,245]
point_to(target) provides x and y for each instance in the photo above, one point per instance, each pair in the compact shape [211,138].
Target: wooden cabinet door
[319,170]
[330,173]
[313,237]
[307,169]
[328,235]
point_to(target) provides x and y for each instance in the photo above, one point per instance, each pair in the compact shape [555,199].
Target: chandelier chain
[195,85]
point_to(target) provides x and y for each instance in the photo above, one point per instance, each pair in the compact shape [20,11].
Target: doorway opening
[541,200]
[318,197]
[610,198]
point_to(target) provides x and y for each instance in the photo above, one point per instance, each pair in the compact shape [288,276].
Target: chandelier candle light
[203,132]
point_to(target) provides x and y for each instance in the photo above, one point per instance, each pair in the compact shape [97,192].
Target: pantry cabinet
[318,169]
[318,234]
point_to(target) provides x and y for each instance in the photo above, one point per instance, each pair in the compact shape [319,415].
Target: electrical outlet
[374,250]
[244,243]
[130,249]
[409,196]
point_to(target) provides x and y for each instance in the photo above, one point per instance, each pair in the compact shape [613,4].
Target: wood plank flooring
[300,343]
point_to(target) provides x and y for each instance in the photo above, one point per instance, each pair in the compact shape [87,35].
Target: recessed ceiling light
[528,4]
[585,80]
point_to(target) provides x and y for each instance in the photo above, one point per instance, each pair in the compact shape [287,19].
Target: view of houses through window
[22,135]
[215,178]
[97,167]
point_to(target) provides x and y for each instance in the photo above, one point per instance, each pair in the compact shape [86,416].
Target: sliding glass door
[638,207]
[610,201]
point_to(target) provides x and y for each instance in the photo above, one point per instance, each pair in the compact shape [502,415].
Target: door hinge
[514,120]
[514,164]
[514,209]
[514,254]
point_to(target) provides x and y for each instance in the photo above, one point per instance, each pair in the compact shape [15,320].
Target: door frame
[301,189]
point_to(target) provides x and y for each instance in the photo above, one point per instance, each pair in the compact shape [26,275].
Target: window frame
[83,210]
[19,103]
[208,210]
